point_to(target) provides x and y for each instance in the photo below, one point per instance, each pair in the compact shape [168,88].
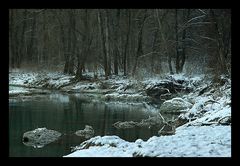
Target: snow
[104,152]
[19,78]
[85,86]
[18,91]
[39,129]
[212,116]
[180,76]
[202,141]
[38,79]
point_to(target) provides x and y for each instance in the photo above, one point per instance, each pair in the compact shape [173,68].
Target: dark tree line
[121,41]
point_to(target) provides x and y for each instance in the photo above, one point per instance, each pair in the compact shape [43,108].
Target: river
[68,113]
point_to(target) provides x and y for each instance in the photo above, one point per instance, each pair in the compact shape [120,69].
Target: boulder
[175,105]
[88,132]
[40,137]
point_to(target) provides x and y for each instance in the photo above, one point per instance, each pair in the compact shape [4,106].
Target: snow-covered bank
[206,132]
[14,91]
[202,141]
[118,88]
[52,80]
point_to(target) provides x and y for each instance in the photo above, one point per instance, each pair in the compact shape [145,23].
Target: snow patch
[202,141]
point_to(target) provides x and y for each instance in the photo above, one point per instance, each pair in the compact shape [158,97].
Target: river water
[67,114]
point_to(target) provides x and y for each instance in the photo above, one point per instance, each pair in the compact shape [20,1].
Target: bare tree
[123,40]
[83,51]
[163,37]
[139,45]
[181,44]
[223,36]
[103,23]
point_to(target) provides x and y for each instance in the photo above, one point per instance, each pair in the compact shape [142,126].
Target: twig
[162,117]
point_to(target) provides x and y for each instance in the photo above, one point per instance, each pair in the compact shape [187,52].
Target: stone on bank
[175,105]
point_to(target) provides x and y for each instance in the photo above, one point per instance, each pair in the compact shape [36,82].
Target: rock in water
[88,132]
[125,125]
[175,105]
[40,137]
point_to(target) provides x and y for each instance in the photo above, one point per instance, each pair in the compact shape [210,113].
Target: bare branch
[202,11]
[162,117]
[208,38]
[195,18]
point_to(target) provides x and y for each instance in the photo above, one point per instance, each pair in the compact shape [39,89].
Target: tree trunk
[101,22]
[31,45]
[69,61]
[165,44]
[139,47]
[126,43]
[107,43]
[11,31]
[177,48]
[64,44]
[116,36]
[183,53]
[220,45]
[74,40]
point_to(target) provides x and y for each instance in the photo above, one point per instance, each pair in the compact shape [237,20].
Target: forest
[121,41]
[120,82]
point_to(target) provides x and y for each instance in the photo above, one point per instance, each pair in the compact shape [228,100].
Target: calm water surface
[66,114]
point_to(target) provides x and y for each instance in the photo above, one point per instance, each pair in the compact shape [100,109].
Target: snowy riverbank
[202,141]
[206,127]
[117,88]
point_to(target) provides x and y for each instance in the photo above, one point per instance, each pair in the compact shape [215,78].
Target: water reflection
[66,114]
